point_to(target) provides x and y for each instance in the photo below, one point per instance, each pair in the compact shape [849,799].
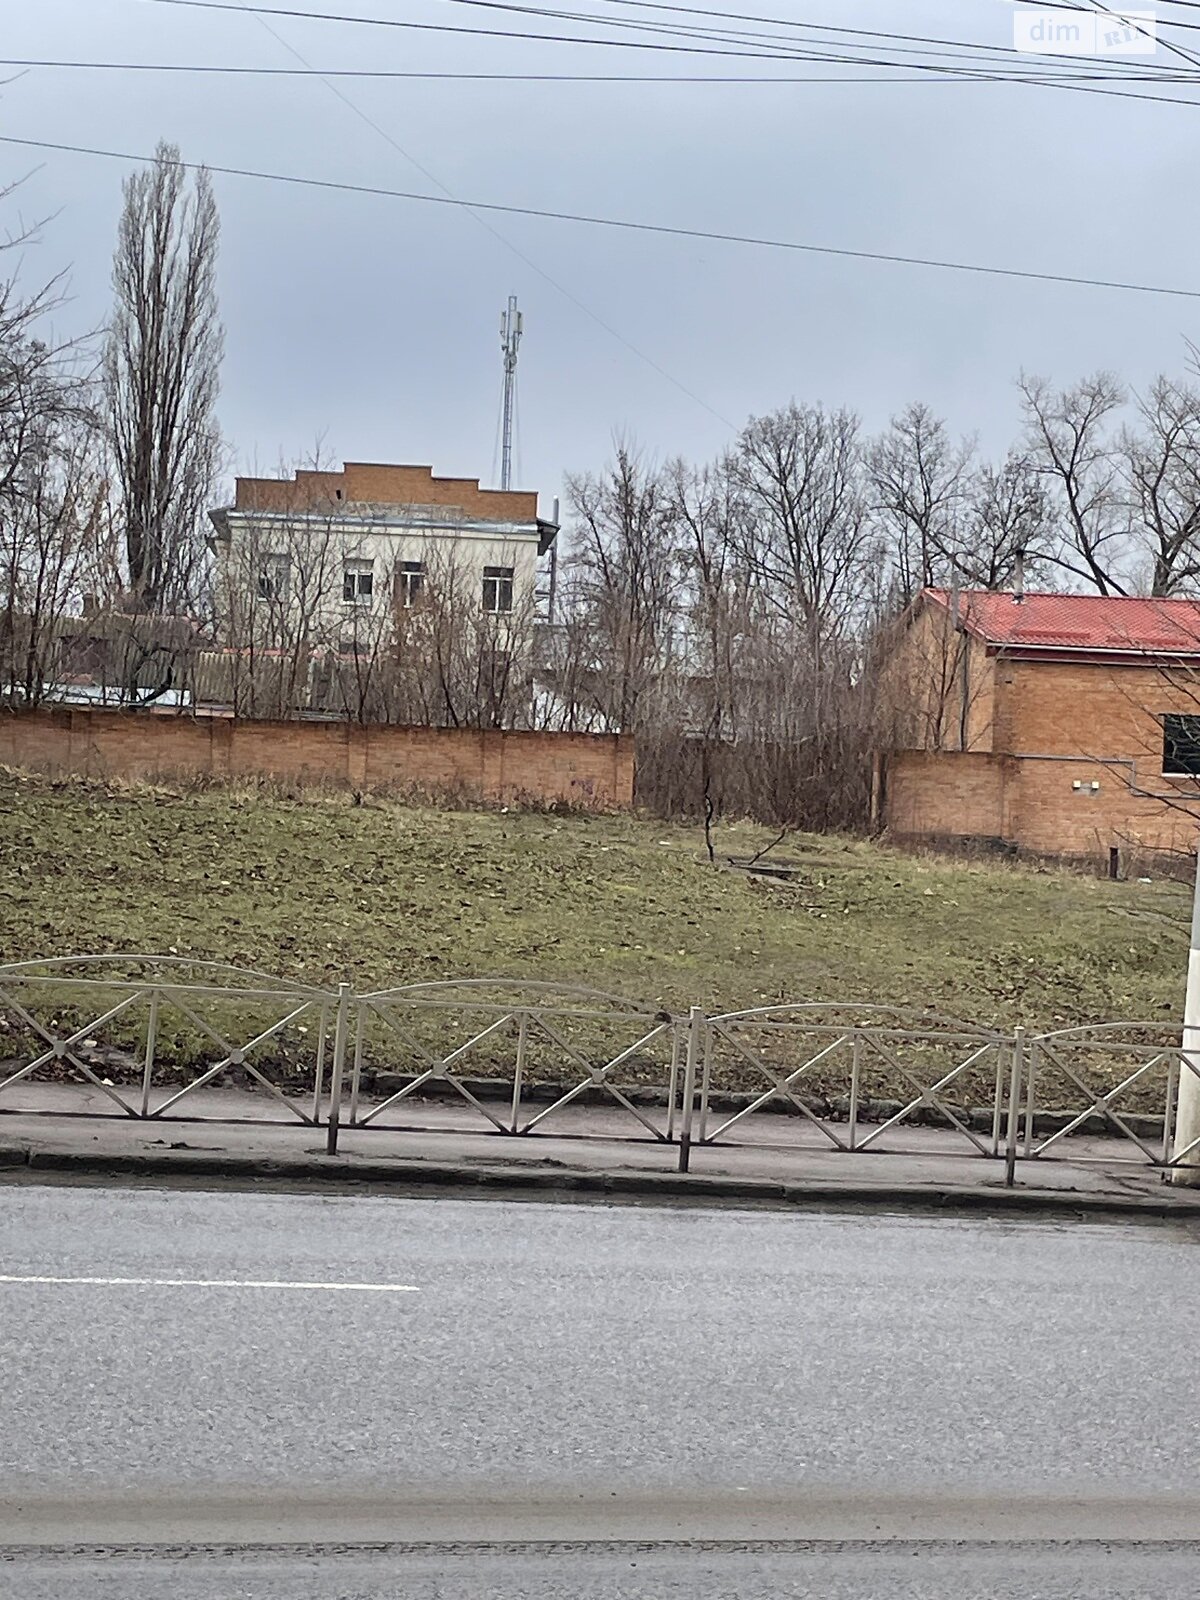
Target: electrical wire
[791,54]
[955,49]
[236,69]
[475,33]
[958,51]
[1078,82]
[1073,5]
[623,224]
[1167,44]
[1082,83]
[438,27]
[791,22]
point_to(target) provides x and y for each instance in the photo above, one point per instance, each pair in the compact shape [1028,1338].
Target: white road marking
[215,1283]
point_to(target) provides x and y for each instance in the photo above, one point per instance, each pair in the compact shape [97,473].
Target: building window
[273,575]
[1181,746]
[497,589]
[410,580]
[358,582]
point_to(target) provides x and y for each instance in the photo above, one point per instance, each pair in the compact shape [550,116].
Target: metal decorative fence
[148,1037]
[148,1032]
[1092,1073]
[931,1068]
[547,1047]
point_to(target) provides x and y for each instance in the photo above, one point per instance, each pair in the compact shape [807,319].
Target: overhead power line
[955,56]
[239,70]
[1043,74]
[906,44]
[791,50]
[358,20]
[1102,10]
[1171,22]
[791,22]
[1081,83]
[475,33]
[622,224]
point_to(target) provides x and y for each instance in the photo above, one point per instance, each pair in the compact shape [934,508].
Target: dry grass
[319,888]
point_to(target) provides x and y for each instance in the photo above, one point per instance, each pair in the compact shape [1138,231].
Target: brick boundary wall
[1044,806]
[593,771]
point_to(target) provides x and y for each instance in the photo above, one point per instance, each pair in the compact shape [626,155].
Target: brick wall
[591,770]
[931,674]
[369,483]
[1059,728]
[945,794]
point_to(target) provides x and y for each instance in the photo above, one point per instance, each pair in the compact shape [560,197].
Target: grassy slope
[319,889]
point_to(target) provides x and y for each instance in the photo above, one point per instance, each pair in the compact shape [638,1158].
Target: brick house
[1058,724]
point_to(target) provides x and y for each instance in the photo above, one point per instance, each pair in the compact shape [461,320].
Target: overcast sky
[371,323]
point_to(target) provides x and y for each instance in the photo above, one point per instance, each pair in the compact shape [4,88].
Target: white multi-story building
[382,563]
[374,537]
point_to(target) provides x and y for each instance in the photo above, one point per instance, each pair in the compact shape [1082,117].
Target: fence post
[339,1067]
[695,1022]
[1014,1098]
[151,1046]
[998,1101]
[673,1083]
[705,1077]
[519,1071]
[319,1073]
[356,1074]
[1173,1070]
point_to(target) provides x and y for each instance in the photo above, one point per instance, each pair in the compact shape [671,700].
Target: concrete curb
[316,1170]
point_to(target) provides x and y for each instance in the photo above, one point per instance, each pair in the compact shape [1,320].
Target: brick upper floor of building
[384,487]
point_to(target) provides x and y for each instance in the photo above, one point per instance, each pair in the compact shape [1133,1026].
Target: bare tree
[1070,444]
[35,383]
[1007,514]
[809,550]
[161,376]
[1162,463]
[808,534]
[918,485]
[710,514]
[48,527]
[50,485]
[625,578]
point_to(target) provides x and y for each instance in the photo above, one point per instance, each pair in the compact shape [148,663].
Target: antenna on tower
[510,339]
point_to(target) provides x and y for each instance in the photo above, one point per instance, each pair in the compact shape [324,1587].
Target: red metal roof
[1088,622]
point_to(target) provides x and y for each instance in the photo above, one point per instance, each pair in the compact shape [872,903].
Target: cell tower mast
[510,340]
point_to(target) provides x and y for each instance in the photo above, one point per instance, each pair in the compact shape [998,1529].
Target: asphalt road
[317,1375]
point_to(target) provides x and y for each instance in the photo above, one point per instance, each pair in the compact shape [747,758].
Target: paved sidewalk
[778,1160]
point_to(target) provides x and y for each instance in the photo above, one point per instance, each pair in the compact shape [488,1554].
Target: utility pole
[510,340]
[1187,1111]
